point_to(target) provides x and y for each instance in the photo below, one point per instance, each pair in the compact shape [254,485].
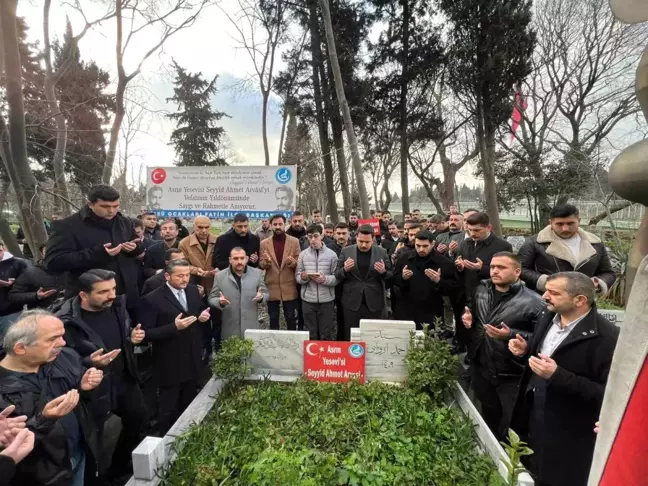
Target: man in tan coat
[198,249]
[279,255]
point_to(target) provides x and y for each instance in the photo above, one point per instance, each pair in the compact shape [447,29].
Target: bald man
[198,248]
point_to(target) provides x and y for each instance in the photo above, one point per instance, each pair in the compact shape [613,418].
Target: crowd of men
[124,314]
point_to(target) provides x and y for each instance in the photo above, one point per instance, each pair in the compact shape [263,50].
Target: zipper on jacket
[317,271]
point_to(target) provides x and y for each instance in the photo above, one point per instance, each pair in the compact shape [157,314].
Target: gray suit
[242,312]
[363,297]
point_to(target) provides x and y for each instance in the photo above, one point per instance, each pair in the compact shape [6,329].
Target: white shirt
[557,334]
[180,295]
[573,244]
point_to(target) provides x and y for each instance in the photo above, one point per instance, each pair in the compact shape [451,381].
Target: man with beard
[423,277]
[154,259]
[342,240]
[317,219]
[297,229]
[390,238]
[329,234]
[407,245]
[562,387]
[385,219]
[151,227]
[240,237]
[99,329]
[503,308]
[353,224]
[173,322]
[264,231]
[279,255]
[362,270]
[454,234]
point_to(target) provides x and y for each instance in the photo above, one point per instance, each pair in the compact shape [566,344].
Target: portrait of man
[284,196]
[155,198]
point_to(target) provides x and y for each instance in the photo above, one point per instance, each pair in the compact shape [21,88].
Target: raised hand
[453,246]
[112,251]
[518,346]
[7,283]
[459,263]
[184,323]
[258,297]
[304,277]
[137,334]
[130,245]
[44,294]
[473,266]
[441,247]
[435,276]
[407,273]
[290,260]
[204,315]
[20,446]
[61,406]
[380,267]
[223,301]
[348,264]
[201,290]
[10,426]
[100,359]
[466,318]
[543,366]
[254,257]
[91,379]
[501,333]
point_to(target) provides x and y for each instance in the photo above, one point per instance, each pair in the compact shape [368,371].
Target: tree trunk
[404,148]
[316,59]
[18,168]
[486,140]
[264,127]
[284,122]
[620,206]
[446,189]
[4,192]
[60,184]
[346,113]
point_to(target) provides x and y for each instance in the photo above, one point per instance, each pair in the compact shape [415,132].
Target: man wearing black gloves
[97,327]
[97,236]
[239,237]
[502,308]
[423,277]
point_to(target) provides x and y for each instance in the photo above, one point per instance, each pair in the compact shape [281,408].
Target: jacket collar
[514,289]
[558,249]
[193,240]
[587,328]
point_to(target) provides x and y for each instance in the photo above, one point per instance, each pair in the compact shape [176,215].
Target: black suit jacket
[176,353]
[574,396]
[372,287]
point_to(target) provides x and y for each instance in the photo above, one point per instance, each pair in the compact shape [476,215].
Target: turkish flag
[519,106]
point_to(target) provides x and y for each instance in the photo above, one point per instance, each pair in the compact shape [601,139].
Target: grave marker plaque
[277,352]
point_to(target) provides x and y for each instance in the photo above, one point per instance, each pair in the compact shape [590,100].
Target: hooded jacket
[49,463]
[545,254]
[10,268]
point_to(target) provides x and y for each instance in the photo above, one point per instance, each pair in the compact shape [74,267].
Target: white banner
[221,192]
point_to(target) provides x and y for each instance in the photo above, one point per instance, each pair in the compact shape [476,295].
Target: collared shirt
[180,295]
[557,334]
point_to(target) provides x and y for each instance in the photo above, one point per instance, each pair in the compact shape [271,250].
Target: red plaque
[336,361]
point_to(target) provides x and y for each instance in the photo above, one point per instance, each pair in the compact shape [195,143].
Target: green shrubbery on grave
[319,434]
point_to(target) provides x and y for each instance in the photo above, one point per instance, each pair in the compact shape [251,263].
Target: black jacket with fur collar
[545,254]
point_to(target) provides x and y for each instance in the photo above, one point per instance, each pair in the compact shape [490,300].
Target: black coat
[49,463]
[354,286]
[25,288]
[484,250]
[153,283]
[421,299]
[230,240]
[573,401]
[520,309]
[176,354]
[544,254]
[85,341]
[389,244]
[77,245]
[154,258]
[20,236]
[10,268]
[7,470]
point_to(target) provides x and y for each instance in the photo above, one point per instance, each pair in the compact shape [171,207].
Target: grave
[279,353]
[387,343]
[616,317]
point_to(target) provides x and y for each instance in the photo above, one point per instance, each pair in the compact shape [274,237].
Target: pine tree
[197,139]
[86,108]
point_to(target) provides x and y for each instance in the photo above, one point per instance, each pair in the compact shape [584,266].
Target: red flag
[519,105]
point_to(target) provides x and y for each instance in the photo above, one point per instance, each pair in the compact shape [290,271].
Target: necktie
[182,299]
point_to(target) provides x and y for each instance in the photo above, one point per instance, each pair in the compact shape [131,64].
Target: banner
[221,192]
[335,361]
[373,222]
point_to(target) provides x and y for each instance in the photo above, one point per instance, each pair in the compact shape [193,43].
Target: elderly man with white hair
[48,384]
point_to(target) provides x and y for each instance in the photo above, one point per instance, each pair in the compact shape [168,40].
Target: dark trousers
[339,314]
[290,308]
[212,331]
[318,320]
[459,302]
[352,318]
[300,313]
[497,397]
[133,413]
[173,401]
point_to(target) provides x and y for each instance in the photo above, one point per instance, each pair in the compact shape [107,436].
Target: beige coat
[192,250]
[280,280]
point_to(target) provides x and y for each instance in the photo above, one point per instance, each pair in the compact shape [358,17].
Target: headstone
[277,352]
[387,343]
[148,457]
[614,316]
[516,242]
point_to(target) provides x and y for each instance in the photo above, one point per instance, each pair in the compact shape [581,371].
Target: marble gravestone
[516,242]
[387,343]
[277,352]
[616,317]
